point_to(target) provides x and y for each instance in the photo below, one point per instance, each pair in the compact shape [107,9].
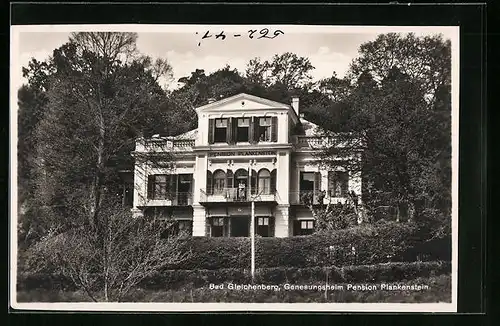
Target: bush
[361,245]
[186,279]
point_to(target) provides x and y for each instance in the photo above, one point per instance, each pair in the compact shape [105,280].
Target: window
[242,130]
[264,186]
[303,227]
[158,186]
[338,183]
[264,129]
[217,227]
[219,182]
[220,132]
[264,228]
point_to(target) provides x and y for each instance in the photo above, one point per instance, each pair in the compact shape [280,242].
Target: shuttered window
[273,181]
[274,129]
[211,130]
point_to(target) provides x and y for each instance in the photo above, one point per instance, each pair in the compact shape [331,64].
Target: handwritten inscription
[264,33]
[245,153]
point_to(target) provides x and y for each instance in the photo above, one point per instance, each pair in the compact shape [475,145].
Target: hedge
[368,244]
[362,245]
[171,279]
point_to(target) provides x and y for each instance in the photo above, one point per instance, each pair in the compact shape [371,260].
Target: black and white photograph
[234,167]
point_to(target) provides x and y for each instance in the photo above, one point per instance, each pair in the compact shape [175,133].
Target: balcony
[171,199]
[230,195]
[164,144]
[315,197]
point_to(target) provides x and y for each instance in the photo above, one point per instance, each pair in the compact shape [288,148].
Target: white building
[245,149]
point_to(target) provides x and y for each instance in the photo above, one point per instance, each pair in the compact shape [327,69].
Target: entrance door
[240,226]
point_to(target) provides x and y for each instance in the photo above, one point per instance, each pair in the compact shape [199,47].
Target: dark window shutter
[256,129]
[274,129]
[251,131]
[273,181]
[210,187]
[229,131]
[253,181]
[296,227]
[211,129]
[151,186]
[317,181]
[234,130]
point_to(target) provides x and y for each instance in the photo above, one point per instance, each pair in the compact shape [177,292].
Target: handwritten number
[278,32]
[264,32]
[220,35]
[251,32]
[206,35]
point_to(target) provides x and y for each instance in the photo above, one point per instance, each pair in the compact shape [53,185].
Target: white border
[227,307]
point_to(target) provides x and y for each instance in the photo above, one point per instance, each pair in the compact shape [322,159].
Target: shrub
[366,244]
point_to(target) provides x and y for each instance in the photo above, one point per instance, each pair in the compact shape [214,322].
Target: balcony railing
[310,142]
[235,194]
[171,199]
[316,197]
[164,144]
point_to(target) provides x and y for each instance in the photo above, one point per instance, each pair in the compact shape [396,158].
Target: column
[199,221]
[283,177]
[200,177]
[281,217]
[140,187]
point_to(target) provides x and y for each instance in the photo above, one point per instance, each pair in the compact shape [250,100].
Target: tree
[100,97]
[291,70]
[426,60]
[96,105]
[257,72]
[287,69]
[400,147]
[337,89]
[136,249]
[331,217]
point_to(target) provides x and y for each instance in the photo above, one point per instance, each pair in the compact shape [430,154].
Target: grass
[439,290]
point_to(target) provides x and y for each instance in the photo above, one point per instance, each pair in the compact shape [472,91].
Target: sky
[330,49]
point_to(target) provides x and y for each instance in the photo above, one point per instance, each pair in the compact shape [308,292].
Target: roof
[242,96]
[310,129]
[191,134]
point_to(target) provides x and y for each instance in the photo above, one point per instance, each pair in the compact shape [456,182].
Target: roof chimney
[295,105]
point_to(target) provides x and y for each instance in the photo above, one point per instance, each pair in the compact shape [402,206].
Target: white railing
[235,194]
[164,144]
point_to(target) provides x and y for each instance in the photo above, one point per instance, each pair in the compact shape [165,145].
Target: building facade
[246,149]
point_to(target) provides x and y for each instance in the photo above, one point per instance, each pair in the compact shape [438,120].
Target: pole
[252,236]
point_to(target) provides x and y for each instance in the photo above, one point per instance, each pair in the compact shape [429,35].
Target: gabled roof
[244,96]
